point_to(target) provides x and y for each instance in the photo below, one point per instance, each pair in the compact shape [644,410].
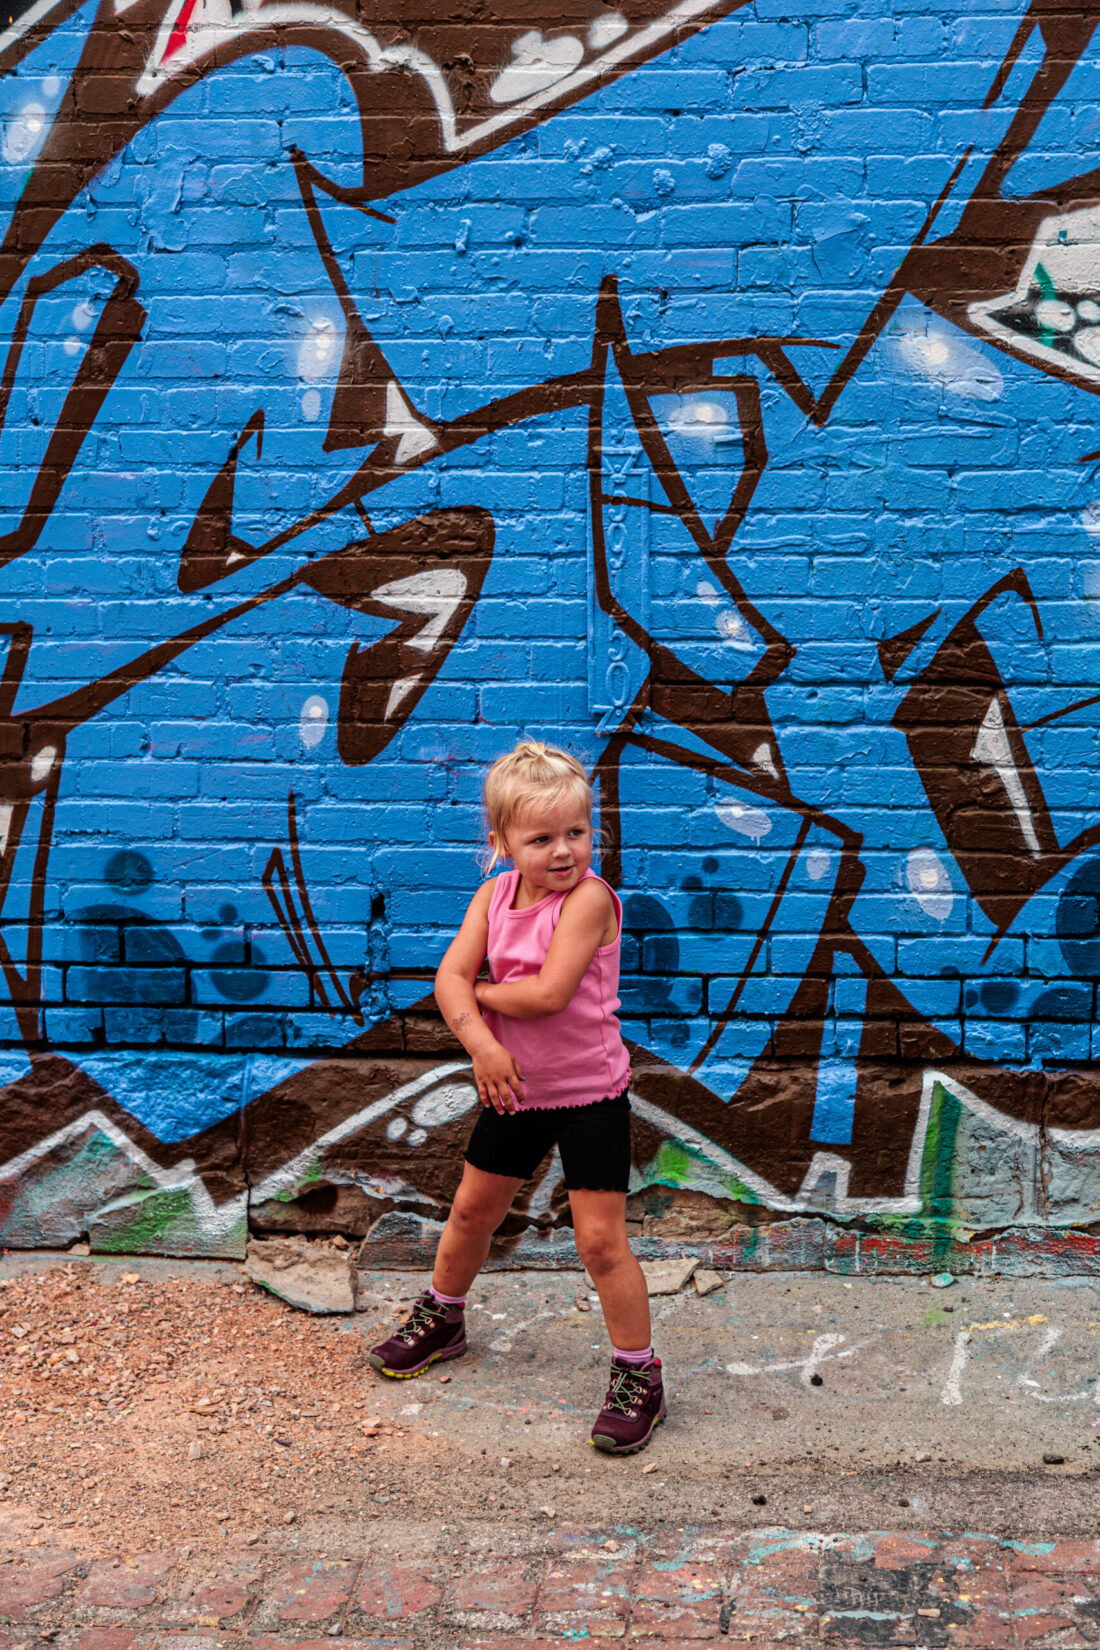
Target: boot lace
[426,1314]
[628,1383]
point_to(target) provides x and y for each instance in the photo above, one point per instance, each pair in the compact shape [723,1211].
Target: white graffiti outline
[1051,1337]
[823,1351]
[29,20]
[832,1163]
[209,36]
[951,1393]
[219,1219]
[216,1220]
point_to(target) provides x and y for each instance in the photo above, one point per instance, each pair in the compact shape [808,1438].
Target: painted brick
[36,1580]
[256,835]
[400,1591]
[308,1592]
[592,1597]
[500,1597]
[132,1585]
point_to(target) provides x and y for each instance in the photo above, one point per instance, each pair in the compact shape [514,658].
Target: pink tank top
[573,1058]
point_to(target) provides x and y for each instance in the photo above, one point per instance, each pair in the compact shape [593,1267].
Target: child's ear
[498,845]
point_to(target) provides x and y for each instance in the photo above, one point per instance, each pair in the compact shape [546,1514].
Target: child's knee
[602,1249]
[473,1218]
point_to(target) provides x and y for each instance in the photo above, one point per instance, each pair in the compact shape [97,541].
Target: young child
[551,1070]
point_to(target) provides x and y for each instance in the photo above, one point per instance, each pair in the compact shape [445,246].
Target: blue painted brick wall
[714,395]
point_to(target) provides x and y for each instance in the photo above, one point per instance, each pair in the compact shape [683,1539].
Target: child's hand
[499,1079]
[480,988]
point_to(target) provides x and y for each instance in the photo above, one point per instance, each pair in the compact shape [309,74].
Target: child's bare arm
[499,1079]
[586,915]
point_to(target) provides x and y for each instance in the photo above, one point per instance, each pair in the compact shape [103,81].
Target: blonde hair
[531,771]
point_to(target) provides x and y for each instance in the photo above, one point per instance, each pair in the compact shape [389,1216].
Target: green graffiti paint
[153,1217]
[937,1170]
[1047,289]
[676,1165]
[938,1159]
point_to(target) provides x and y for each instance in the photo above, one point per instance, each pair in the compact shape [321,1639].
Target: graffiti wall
[708,386]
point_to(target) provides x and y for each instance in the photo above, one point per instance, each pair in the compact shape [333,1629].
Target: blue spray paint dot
[240,984]
[998,996]
[1078,920]
[128,870]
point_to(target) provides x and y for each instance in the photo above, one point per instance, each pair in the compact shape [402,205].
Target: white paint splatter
[41,763]
[444,1105]
[24,133]
[929,883]
[751,822]
[317,353]
[704,419]
[943,358]
[733,629]
[817,864]
[311,406]
[313,720]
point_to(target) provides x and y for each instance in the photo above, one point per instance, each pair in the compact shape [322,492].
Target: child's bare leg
[599,1224]
[480,1204]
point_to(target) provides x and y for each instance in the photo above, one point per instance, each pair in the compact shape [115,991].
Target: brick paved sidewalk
[675,1587]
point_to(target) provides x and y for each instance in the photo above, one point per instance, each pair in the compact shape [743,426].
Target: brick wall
[709,388]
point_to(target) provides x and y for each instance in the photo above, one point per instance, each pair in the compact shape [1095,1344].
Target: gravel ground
[156,1404]
[199,1406]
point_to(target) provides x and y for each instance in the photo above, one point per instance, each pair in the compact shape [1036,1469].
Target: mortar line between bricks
[635,1582]
[1010,1591]
[353,1594]
[544,1567]
[250,1613]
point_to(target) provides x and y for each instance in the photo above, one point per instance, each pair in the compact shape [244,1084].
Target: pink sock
[446,1300]
[632,1357]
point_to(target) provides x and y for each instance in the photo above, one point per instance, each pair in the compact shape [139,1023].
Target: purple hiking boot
[634,1405]
[431,1332]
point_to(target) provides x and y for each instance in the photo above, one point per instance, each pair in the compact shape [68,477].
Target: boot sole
[600,1440]
[410,1374]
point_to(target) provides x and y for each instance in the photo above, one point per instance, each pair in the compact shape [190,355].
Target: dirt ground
[159,1405]
[169,1405]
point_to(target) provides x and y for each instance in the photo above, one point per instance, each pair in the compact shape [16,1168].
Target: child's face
[550,845]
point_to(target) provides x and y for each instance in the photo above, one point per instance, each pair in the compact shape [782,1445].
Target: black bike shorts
[594,1142]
